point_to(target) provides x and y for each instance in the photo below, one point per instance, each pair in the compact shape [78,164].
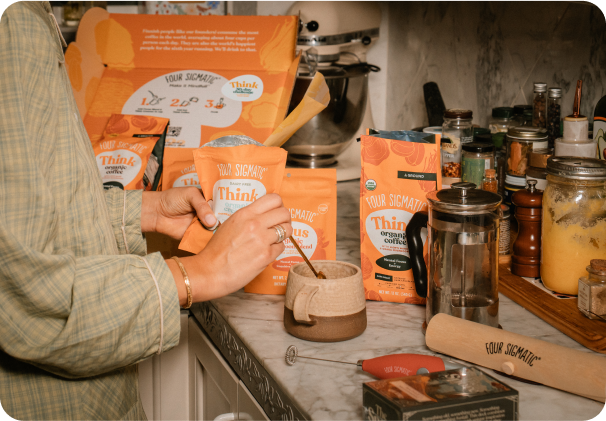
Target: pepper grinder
[526,259]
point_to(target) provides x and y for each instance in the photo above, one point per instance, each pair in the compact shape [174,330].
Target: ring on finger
[281,232]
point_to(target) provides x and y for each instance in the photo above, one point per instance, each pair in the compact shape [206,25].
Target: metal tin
[538,157]
[528,134]
[464,199]
[577,168]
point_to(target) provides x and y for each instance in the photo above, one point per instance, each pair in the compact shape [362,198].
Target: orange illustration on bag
[233,177]
[311,197]
[398,170]
[130,153]
[179,168]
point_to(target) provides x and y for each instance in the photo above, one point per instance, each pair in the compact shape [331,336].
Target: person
[80,300]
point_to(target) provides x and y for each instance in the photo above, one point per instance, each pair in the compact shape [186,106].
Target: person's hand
[240,249]
[170,212]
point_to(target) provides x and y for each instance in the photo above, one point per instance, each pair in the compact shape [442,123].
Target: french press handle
[415,251]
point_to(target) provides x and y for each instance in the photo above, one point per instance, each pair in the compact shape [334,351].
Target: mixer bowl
[324,137]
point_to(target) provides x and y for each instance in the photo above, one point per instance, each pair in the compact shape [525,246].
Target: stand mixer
[334,38]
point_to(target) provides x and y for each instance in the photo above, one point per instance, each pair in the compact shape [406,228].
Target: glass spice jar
[521,141]
[518,114]
[501,121]
[554,116]
[592,290]
[477,157]
[451,158]
[72,12]
[574,220]
[538,167]
[539,105]
[527,118]
[458,129]
[513,183]
[490,181]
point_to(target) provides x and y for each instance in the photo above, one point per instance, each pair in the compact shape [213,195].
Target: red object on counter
[399,365]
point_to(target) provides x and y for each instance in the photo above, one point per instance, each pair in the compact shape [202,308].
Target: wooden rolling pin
[553,365]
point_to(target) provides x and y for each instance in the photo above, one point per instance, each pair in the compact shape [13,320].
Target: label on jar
[473,170]
[583,298]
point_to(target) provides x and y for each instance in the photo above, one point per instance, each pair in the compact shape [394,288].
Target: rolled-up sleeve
[70,303]
[125,215]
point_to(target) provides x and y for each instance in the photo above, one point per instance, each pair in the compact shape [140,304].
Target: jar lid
[540,87]
[433,130]
[538,157]
[502,112]
[577,168]
[527,134]
[519,109]
[478,147]
[458,113]
[515,180]
[484,138]
[464,198]
[555,93]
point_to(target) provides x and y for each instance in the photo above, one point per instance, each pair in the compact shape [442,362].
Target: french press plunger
[463,245]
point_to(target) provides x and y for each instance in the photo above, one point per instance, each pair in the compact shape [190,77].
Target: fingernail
[210,220]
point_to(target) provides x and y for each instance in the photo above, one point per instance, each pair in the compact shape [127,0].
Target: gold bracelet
[186,280]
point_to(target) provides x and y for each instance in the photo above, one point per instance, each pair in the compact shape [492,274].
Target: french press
[463,245]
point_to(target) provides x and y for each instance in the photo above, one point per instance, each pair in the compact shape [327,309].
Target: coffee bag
[398,170]
[179,168]
[130,153]
[311,197]
[233,177]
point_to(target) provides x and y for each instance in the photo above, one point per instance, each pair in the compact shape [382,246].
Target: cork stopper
[598,264]
[491,173]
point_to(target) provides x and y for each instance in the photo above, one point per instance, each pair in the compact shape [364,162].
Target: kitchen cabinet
[193,381]
[164,380]
[216,392]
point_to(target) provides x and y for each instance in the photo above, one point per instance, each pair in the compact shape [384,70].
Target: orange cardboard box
[210,75]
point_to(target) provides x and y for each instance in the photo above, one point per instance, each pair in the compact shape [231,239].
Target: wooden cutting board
[561,314]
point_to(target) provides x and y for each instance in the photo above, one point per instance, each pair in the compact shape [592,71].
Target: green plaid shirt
[80,301]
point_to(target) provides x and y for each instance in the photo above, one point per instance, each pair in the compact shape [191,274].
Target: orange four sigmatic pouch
[130,153]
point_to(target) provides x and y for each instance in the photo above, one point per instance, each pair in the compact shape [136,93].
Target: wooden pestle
[319,274]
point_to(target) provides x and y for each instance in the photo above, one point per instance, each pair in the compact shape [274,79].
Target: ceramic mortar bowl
[325,310]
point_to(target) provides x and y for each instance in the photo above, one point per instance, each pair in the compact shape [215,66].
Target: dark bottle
[599,127]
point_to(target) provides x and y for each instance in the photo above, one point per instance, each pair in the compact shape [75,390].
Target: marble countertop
[322,390]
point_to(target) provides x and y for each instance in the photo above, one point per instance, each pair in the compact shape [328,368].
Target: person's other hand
[171,211]
[240,249]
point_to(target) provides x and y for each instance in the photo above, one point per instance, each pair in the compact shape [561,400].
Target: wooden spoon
[319,274]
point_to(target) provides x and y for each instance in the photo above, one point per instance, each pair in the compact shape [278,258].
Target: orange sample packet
[179,168]
[311,197]
[233,177]
[398,170]
[130,153]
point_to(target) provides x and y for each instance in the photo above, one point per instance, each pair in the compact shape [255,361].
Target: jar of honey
[574,220]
